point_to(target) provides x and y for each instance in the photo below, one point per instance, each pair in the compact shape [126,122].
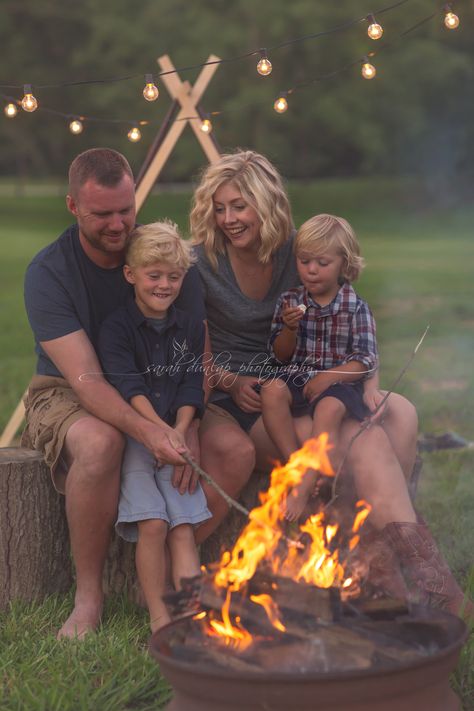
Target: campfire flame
[271,609]
[231,633]
[264,542]
[261,537]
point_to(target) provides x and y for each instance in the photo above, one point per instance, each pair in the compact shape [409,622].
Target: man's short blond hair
[159,242]
[326,232]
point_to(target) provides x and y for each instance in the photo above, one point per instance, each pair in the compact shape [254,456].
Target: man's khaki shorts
[51,408]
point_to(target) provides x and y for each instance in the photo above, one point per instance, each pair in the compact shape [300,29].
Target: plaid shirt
[331,335]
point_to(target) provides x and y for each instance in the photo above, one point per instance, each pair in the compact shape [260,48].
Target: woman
[242,227]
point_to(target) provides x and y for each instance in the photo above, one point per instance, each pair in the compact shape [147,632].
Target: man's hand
[184,477]
[244,394]
[163,442]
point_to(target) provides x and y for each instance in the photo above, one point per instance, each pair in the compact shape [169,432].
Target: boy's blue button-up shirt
[164,366]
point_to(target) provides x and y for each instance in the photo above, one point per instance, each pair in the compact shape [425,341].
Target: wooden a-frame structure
[184,109]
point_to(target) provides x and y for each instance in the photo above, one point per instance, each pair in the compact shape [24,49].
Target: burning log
[200,593]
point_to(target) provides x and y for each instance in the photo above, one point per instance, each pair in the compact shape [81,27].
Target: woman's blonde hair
[323,232]
[260,185]
[158,242]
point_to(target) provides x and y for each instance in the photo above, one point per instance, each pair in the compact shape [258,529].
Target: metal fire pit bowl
[422,685]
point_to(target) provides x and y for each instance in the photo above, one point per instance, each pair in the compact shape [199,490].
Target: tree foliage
[416,116]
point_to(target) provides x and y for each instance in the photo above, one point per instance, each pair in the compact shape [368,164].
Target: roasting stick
[367,423]
[232,502]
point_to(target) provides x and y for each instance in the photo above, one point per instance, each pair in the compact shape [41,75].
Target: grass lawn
[420,256]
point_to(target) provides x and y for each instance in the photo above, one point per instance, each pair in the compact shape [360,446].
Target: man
[73,415]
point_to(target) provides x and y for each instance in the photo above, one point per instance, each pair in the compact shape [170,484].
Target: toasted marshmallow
[302,308]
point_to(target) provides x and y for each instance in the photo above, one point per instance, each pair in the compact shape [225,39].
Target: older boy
[152,353]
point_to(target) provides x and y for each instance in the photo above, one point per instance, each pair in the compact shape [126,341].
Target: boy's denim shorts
[146,492]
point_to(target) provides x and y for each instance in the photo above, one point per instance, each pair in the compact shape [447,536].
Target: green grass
[109,671]
[420,257]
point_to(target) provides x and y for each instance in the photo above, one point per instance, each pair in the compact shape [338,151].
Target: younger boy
[327,334]
[149,351]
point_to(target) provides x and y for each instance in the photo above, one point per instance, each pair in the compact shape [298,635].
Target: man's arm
[74,356]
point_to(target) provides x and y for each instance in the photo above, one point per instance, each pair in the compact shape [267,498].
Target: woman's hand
[372,398]
[244,395]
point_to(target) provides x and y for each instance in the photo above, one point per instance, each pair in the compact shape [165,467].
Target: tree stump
[34,540]
[35,558]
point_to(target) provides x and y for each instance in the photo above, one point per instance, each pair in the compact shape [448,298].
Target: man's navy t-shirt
[66,292]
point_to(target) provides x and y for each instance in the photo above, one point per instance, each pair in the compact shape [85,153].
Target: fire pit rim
[265,676]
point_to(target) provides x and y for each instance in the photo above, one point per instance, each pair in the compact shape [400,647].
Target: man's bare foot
[82,620]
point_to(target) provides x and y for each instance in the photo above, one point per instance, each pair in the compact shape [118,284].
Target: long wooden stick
[232,502]
[367,423]
[207,477]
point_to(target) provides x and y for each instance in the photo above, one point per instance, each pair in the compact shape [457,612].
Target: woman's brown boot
[428,576]
[379,564]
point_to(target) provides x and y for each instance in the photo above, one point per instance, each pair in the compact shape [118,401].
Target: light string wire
[287,92]
[237,58]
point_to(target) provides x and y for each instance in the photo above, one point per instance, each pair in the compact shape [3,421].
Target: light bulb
[28,103]
[10,110]
[134,134]
[76,126]
[150,92]
[368,70]
[374,30]
[451,20]
[280,105]
[264,66]
[206,126]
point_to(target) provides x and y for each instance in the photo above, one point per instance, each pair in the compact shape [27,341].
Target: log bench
[35,556]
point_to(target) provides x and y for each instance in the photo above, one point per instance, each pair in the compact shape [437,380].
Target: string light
[150,92]
[10,110]
[76,126]
[368,70]
[264,66]
[206,126]
[134,134]
[450,19]
[374,30]
[28,103]
[281,104]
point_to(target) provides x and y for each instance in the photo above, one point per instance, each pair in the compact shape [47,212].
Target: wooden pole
[188,98]
[13,424]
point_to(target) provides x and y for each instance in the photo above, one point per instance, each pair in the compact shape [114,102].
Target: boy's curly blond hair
[158,242]
[323,232]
